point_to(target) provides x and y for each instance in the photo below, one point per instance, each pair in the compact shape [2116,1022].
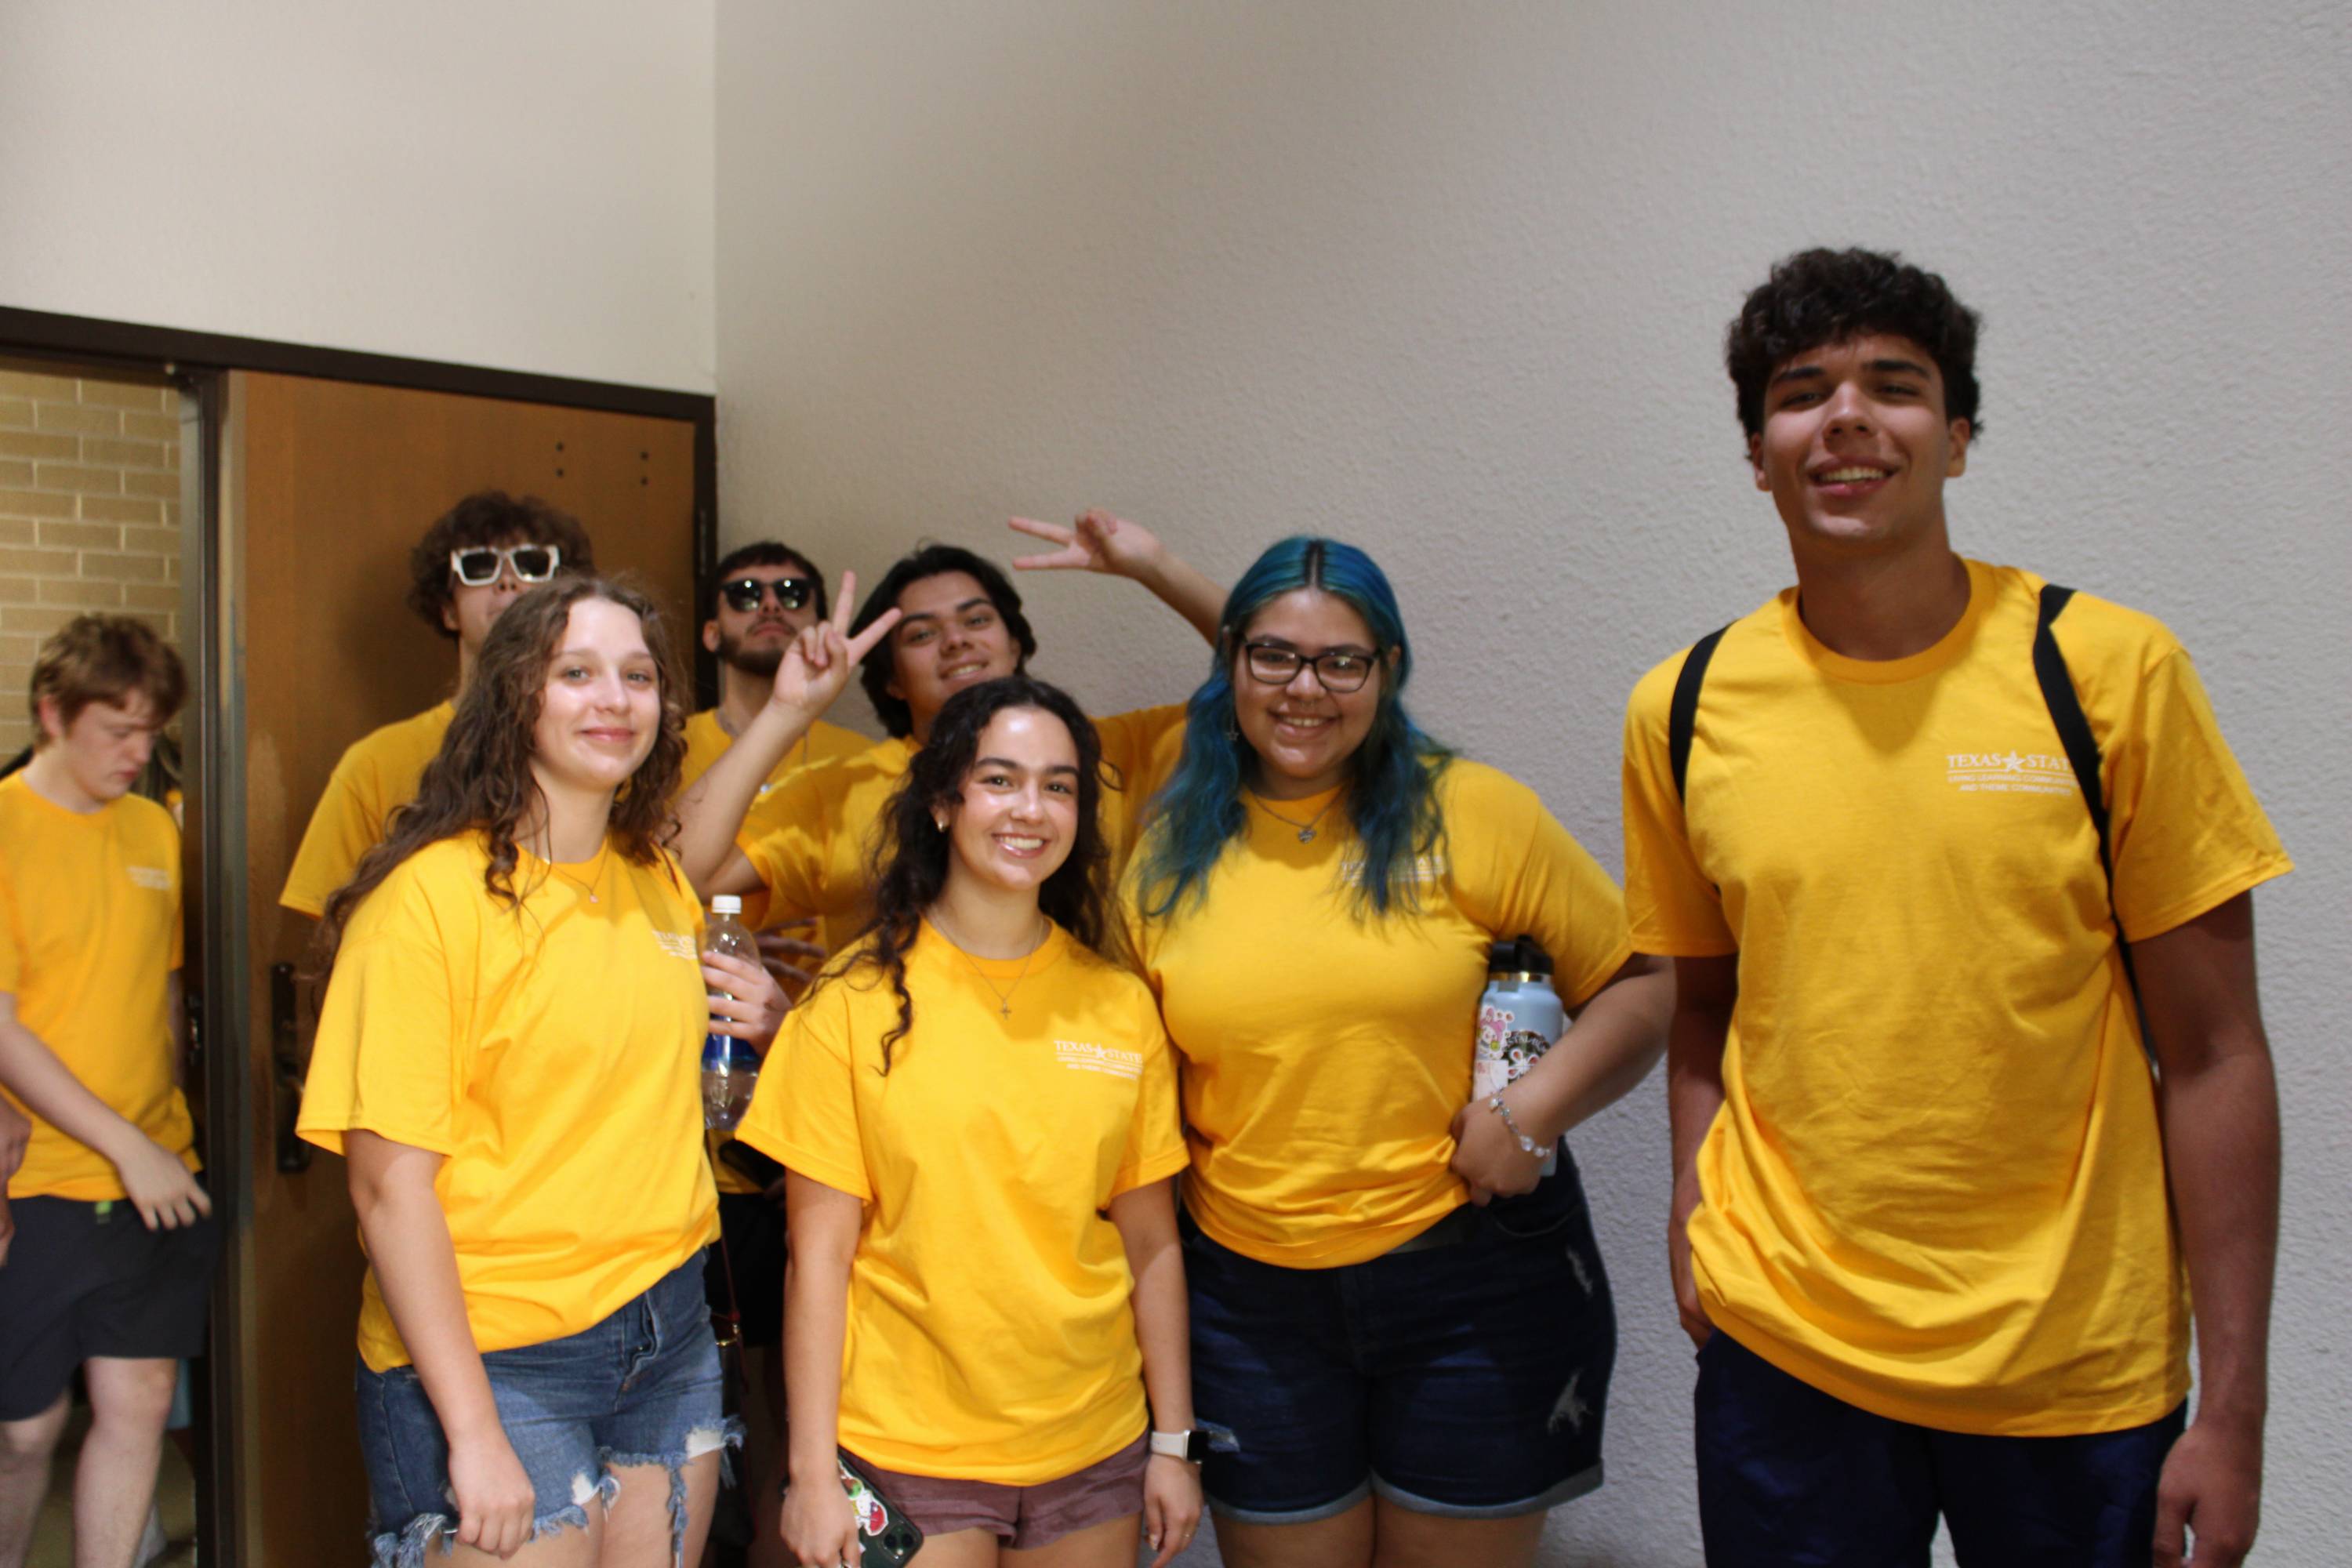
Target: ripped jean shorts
[643,1387]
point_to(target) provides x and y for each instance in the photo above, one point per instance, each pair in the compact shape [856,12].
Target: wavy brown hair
[481,780]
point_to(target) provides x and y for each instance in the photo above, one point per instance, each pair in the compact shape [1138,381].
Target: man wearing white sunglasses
[469,566]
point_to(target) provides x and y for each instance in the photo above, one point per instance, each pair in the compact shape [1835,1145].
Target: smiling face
[601,708]
[1304,735]
[948,636]
[1856,446]
[754,641]
[1018,818]
[105,748]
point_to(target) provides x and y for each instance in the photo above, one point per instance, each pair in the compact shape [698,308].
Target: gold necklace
[1306,828]
[595,872]
[1004,997]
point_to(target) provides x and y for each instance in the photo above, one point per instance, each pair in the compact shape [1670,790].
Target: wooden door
[325,486]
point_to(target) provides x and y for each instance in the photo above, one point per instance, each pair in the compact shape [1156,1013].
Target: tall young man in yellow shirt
[111,1261]
[469,566]
[1895,827]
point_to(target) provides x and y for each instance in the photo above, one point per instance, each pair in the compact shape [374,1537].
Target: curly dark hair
[481,781]
[761,552]
[1821,296]
[488,518]
[909,864]
[880,666]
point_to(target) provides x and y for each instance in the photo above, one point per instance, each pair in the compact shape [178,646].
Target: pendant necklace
[1306,828]
[1004,997]
[596,873]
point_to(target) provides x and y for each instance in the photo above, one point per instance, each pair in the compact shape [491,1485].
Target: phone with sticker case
[887,1538]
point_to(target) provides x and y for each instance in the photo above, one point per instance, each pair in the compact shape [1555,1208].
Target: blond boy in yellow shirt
[111,1260]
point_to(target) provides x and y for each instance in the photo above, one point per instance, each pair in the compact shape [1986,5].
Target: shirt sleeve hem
[1662,946]
[2206,899]
[841,1178]
[328,1135]
[1158,1168]
[303,903]
[1588,985]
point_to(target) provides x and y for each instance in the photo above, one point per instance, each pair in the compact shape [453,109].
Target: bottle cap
[726,904]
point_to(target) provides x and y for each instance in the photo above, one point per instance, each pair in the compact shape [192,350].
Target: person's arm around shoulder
[415,1267]
[814,671]
[2220,1120]
[157,1182]
[1098,541]
[1705,991]
[820,1225]
[1146,1218]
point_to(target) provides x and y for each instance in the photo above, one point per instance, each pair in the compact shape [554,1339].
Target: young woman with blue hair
[1402,1337]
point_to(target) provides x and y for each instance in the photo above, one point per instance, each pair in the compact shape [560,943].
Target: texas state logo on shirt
[678,944]
[2009,771]
[154,879]
[1085,1056]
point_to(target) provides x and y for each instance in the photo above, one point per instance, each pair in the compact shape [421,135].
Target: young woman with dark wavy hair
[507,1058]
[1408,1336]
[977,1109]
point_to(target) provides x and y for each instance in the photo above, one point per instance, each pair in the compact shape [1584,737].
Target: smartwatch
[1193,1446]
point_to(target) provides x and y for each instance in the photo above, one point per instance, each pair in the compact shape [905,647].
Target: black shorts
[753,1233]
[85,1279]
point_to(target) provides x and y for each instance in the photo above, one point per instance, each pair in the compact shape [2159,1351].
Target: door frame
[199,363]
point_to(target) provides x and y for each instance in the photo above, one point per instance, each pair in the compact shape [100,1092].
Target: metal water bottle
[1520,1016]
[730,1067]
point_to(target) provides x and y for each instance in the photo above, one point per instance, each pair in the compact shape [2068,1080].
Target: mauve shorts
[1022,1518]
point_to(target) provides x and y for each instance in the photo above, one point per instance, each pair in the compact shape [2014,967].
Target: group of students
[1938,902]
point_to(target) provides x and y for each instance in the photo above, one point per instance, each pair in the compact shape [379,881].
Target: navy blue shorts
[1467,1380]
[87,1279]
[641,1387]
[1787,1474]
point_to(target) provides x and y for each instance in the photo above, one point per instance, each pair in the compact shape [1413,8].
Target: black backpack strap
[1682,716]
[2081,747]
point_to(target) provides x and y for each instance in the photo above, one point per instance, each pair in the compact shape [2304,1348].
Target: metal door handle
[285,1065]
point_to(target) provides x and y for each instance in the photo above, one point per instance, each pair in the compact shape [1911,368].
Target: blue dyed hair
[1392,790]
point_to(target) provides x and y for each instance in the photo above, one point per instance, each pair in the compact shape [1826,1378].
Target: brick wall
[90,514]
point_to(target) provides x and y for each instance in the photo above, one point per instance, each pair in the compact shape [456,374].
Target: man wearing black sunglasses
[762,597]
[470,566]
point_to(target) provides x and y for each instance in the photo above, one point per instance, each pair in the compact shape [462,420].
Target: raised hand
[818,664]
[1096,541]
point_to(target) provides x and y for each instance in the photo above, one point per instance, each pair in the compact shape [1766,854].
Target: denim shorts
[1467,1380]
[643,1387]
[1789,1474]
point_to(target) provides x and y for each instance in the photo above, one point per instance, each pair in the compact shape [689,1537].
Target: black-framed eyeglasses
[479,566]
[743,594]
[1340,669]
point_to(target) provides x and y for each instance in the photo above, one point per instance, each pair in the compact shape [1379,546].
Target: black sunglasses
[744,593]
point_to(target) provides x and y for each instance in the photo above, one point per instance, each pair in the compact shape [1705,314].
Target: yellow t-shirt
[705,743]
[1936,1189]
[1326,1051]
[89,934]
[551,1053]
[377,776]
[990,1336]
[810,839]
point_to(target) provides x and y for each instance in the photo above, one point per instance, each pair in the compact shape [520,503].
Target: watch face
[1196,1445]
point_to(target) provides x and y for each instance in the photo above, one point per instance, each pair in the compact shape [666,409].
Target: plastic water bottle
[1520,1016]
[730,1067]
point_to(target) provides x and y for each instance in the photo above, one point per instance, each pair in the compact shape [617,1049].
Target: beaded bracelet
[1526,1145]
